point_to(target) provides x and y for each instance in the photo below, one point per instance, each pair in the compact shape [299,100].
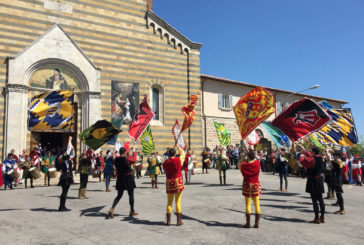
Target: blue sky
[287,44]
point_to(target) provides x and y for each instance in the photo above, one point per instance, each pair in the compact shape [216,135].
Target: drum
[139,166]
[195,164]
[13,174]
[34,172]
[207,162]
[52,172]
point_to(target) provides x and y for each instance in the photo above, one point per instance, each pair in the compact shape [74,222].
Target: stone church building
[111,52]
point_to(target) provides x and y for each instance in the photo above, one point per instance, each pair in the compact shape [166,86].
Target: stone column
[16,118]
[94,108]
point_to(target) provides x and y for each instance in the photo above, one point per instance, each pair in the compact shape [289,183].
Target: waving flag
[117,123]
[147,141]
[98,134]
[252,109]
[253,138]
[51,110]
[177,134]
[277,136]
[340,131]
[189,112]
[314,140]
[222,134]
[301,118]
[141,120]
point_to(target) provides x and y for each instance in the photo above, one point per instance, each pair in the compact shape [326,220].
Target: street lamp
[313,87]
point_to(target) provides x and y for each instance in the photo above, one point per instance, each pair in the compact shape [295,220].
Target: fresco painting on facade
[124,101]
[54,77]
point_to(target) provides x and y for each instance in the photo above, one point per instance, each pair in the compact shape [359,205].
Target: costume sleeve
[307,160]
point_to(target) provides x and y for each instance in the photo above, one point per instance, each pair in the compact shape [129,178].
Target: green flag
[222,134]
[147,141]
[315,142]
[98,134]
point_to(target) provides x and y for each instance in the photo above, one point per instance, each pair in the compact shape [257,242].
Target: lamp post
[311,88]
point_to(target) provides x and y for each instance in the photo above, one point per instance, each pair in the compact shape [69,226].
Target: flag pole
[175,143]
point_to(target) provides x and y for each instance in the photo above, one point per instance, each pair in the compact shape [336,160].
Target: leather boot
[152,184]
[224,180]
[156,184]
[168,217]
[179,219]
[322,219]
[315,221]
[80,193]
[111,213]
[257,218]
[220,180]
[84,193]
[247,225]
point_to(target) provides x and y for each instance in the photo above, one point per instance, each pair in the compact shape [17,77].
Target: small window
[225,101]
[155,104]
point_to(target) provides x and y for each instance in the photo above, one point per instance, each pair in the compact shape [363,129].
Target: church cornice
[171,34]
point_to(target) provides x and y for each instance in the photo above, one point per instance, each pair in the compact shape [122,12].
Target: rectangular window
[225,101]
[155,103]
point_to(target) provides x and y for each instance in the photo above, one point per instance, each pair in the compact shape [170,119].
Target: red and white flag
[141,120]
[176,131]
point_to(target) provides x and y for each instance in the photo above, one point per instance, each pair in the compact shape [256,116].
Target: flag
[326,105]
[341,130]
[252,109]
[98,134]
[314,140]
[253,138]
[117,123]
[177,134]
[301,118]
[141,120]
[189,112]
[51,110]
[147,141]
[222,134]
[277,136]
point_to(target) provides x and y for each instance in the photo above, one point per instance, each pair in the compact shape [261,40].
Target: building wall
[113,34]
[211,112]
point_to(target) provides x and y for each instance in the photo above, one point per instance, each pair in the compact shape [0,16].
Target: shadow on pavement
[234,210]
[281,219]
[213,223]
[134,220]
[67,197]
[280,193]
[93,212]
[282,206]
[96,190]
[272,200]
[44,209]
[9,209]
[215,185]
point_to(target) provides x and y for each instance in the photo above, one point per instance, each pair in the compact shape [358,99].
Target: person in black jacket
[336,166]
[125,181]
[314,164]
[282,168]
[63,162]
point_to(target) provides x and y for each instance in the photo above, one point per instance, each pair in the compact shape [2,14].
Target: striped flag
[189,112]
[222,134]
[147,141]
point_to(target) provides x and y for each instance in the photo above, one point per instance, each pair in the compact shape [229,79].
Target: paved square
[213,214]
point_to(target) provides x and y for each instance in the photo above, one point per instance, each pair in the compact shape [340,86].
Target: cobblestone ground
[213,214]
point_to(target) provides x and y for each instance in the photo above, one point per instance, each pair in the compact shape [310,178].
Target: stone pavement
[213,214]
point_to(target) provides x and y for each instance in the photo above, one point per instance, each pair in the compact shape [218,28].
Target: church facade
[111,53]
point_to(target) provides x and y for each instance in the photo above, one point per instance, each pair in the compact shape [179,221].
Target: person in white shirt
[357,174]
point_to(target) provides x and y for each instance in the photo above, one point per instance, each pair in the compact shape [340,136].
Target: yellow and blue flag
[340,131]
[52,111]
[222,134]
[147,141]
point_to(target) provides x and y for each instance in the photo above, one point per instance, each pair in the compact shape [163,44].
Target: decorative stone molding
[17,88]
[172,35]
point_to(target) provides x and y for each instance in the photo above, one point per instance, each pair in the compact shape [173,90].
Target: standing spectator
[282,168]
[8,165]
[263,159]
[205,159]
[357,174]
[214,157]
[108,169]
[336,166]
[235,154]
[84,166]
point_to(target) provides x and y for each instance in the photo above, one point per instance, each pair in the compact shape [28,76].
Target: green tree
[359,148]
